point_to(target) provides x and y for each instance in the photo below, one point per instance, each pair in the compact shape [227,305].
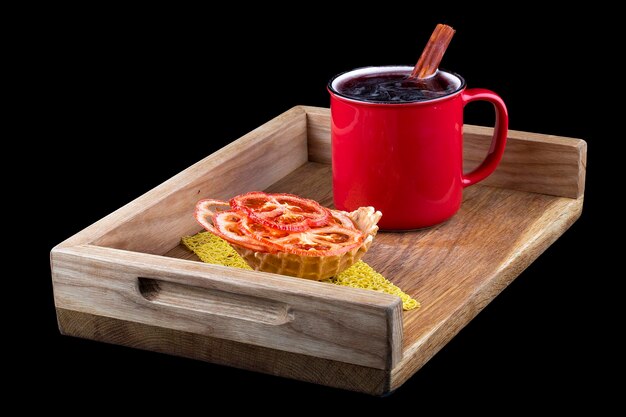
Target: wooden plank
[224,352]
[532,162]
[181,252]
[154,222]
[295,315]
[318,134]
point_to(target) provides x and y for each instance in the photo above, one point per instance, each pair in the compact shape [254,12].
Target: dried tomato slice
[206,206]
[265,223]
[282,211]
[229,226]
[204,212]
[323,241]
[261,232]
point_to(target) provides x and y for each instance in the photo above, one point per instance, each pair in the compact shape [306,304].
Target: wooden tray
[126,279]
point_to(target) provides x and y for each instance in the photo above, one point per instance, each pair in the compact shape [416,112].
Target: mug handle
[499,134]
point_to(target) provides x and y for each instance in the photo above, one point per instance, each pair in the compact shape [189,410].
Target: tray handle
[205,302]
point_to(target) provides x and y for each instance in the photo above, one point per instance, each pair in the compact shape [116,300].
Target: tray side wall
[295,315]
[535,240]
[532,162]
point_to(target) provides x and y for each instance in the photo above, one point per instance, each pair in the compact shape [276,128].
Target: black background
[128,99]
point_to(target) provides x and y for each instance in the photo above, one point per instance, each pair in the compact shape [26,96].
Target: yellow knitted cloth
[215,250]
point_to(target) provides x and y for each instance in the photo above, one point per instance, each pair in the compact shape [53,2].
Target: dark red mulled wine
[397,87]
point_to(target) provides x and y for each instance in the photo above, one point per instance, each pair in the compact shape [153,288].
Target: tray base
[224,352]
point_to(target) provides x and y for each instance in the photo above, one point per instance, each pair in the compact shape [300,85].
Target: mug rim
[341,96]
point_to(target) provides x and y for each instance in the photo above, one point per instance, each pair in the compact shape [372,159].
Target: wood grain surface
[111,282]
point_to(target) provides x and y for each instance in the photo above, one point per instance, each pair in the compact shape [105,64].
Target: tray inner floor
[448,264]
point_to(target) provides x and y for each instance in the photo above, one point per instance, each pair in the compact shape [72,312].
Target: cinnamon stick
[433,52]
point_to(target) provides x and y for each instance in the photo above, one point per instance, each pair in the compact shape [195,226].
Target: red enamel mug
[406,159]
